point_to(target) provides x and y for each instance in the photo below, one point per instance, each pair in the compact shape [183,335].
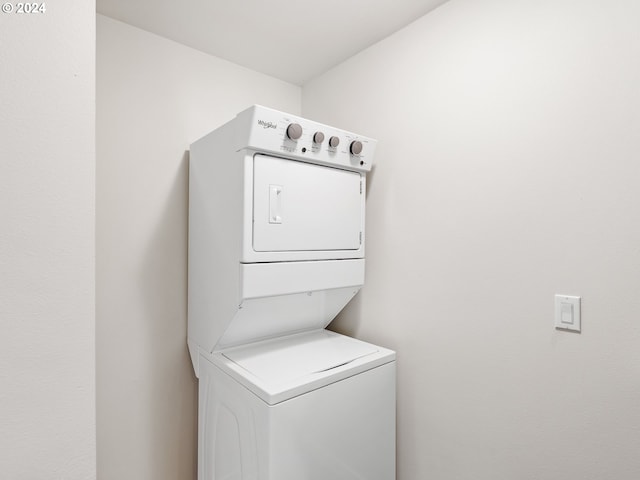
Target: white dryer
[276,250]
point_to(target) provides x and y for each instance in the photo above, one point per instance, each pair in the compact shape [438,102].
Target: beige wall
[507,172]
[154,98]
[47,189]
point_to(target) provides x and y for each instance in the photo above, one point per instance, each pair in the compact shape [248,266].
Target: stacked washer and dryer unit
[276,250]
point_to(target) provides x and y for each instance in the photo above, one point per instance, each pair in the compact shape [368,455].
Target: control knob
[294,131]
[334,142]
[318,137]
[356,147]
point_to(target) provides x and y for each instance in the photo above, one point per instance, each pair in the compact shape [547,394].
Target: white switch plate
[568,313]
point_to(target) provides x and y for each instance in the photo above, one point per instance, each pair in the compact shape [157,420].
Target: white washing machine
[276,250]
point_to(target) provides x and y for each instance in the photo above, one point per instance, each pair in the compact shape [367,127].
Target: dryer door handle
[275,203]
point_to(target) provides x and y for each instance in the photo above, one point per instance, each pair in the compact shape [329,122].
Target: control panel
[287,135]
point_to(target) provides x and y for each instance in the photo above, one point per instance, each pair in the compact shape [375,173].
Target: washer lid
[285,367]
[289,358]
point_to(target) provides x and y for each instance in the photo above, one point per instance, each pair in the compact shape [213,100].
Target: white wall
[47,189]
[154,97]
[507,172]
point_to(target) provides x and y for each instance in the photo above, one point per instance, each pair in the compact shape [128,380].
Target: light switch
[567,313]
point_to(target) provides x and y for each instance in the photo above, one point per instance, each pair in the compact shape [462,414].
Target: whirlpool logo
[267,124]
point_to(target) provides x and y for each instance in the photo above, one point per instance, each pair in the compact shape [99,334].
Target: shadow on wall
[349,319]
[370,180]
[171,380]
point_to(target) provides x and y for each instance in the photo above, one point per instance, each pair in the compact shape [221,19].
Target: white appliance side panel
[344,431]
[215,236]
[232,429]
[300,206]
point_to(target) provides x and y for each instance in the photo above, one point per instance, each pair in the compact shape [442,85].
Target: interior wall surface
[507,172]
[154,97]
[47,191]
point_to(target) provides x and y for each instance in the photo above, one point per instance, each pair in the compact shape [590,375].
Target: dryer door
[300,206]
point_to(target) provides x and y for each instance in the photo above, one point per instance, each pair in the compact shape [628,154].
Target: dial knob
[294,131]
[334,141]
[318,137]
[356,147]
